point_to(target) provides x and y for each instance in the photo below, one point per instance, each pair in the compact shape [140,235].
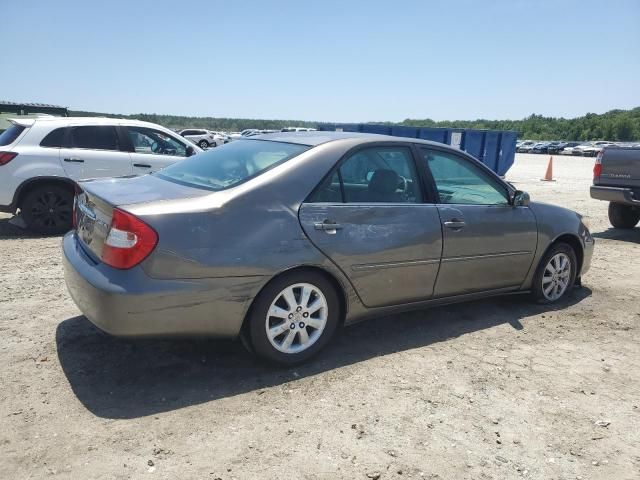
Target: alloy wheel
[51,211]
[296,318]
[556,276]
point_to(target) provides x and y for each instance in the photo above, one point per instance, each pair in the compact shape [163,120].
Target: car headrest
[384,181]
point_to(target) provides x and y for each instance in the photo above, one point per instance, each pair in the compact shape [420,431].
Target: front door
[370,219]
[487,243]
[152,150]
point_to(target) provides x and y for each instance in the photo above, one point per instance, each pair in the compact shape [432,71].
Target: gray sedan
[281,238]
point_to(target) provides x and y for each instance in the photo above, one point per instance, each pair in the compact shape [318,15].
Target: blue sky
[324,60]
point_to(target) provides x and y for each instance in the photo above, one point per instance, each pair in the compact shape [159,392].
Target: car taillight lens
[6,157]
[129,241]
[74,218]
[597,168]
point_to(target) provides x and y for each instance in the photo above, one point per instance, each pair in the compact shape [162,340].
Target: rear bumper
[614,194]
[130,303]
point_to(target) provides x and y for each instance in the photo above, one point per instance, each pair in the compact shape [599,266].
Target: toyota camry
[281,238]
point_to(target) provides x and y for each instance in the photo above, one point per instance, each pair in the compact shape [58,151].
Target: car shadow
[10,231]
[129,378]
[621,234]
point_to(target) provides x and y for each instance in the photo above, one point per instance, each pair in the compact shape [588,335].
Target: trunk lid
[94,206]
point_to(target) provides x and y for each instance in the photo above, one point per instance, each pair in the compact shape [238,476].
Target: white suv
[42,158]
[203,138]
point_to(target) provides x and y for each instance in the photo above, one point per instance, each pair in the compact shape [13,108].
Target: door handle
[142,165]
[328,226]
[455,224]
[74,160]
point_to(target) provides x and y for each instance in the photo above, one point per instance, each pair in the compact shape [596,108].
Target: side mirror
[520,199]
[190,151]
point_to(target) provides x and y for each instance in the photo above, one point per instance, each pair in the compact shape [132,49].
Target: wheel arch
[574,242]
[335,282]
[33,183]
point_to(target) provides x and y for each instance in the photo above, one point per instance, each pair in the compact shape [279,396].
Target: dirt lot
[492,389]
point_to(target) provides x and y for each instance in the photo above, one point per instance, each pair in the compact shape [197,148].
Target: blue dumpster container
[495,148]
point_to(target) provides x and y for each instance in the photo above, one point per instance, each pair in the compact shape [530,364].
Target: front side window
[458,181]
[230,164]
[155,142]
[373,175]
[95,138]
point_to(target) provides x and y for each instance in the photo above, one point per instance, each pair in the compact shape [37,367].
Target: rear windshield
[231,164]
[10,134]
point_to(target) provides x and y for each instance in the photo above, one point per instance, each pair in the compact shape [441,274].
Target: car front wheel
[556,274]
[294,317]
[203,144]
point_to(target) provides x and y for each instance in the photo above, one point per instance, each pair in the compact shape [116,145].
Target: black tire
[203,144]
[48,209]
[537,289]
[257,319]
[623,216]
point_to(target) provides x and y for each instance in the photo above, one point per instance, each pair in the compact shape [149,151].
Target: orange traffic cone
[548,177]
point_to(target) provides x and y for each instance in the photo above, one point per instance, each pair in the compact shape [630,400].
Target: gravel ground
[492,389]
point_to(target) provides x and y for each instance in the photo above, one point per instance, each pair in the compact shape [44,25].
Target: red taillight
[597,168]
[77,191]
[129,241]
[74,220]
[6,157]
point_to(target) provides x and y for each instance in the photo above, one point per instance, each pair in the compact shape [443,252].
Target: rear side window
[54,139]
[95,138]
[231,164]
[10,134]
[373,175]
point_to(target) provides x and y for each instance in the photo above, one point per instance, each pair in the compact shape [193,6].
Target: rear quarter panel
[249,230]
[31,162]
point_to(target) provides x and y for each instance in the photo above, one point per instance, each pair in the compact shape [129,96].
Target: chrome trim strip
[489,255]
[408,263]
[86,210]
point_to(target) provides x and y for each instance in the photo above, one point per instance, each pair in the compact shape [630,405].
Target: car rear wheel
[203,144]
[556,274]
[48,209]
[294,317]
[623,216]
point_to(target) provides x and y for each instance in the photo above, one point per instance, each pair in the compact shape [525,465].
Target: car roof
[78,120]
[313,139]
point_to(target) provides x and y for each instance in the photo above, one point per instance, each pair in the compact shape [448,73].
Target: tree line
[615,125]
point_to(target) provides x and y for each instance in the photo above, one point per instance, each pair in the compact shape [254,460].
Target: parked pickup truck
[616,179]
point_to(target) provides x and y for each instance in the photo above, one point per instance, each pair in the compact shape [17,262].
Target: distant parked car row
[209,139]
[205,138]
[584,149]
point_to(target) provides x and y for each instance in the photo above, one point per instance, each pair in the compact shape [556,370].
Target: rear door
[152,149]
[94,151]
[487,243]
[371,219]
